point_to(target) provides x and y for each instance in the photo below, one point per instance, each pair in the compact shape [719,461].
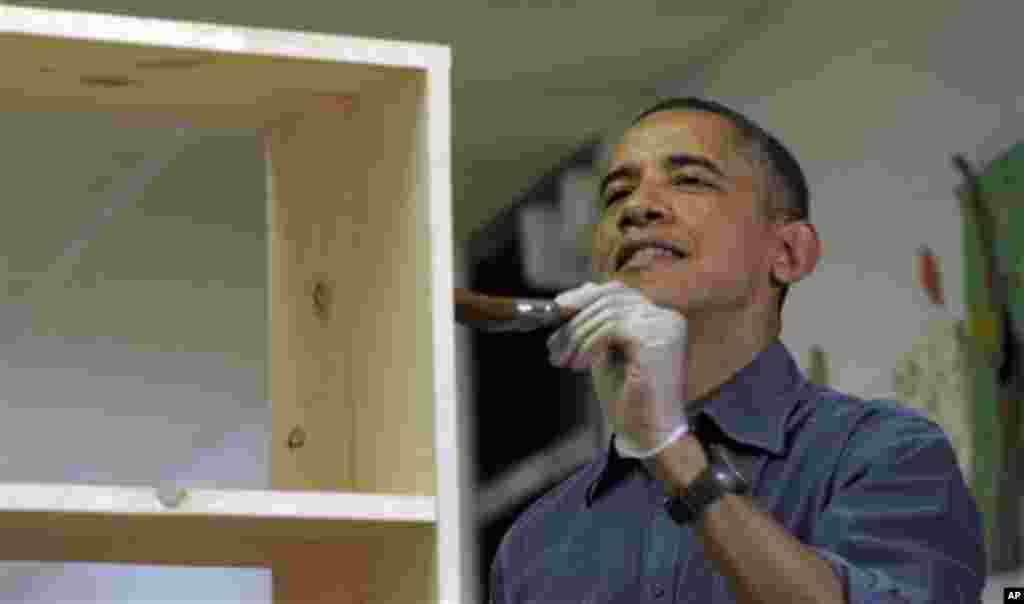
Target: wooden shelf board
[210,527]
[207,74]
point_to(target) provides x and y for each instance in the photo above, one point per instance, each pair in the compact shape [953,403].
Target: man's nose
[641,212]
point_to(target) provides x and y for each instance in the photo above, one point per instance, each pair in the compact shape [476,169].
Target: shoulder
[846,413]
[876,431]
[551,505]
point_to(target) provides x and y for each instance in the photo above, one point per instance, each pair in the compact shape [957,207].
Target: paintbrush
[498,314]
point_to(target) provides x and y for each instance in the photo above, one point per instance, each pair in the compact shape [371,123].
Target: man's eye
[614,196]
[691,181]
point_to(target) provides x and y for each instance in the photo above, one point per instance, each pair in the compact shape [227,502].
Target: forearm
[762,562]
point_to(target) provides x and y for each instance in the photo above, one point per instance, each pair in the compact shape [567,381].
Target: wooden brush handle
[500,313]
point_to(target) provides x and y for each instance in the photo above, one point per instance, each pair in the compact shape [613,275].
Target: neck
[718,347]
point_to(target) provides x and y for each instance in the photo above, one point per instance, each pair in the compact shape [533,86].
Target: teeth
[645,256]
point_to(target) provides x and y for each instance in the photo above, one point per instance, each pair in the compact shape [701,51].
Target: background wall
[874,98]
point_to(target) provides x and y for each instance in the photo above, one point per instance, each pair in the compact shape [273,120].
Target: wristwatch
[717,479]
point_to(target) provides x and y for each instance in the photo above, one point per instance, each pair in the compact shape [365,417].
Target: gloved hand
[635,351]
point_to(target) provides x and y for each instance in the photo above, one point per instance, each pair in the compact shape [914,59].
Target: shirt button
[659,591]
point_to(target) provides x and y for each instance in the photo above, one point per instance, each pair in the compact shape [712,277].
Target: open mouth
[641,254]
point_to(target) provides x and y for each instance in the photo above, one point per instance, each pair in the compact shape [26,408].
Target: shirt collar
[751,408]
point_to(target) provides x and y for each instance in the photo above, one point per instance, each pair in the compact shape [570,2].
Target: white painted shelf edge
[253,504]
[220,38]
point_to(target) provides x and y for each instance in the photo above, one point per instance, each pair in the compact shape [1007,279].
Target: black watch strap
[717,479]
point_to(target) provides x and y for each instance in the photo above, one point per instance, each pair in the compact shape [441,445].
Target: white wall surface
[874,98]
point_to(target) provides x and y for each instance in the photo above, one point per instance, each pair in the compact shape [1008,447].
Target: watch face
[724,473]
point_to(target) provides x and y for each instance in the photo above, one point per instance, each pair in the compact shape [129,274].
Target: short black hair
[784,172]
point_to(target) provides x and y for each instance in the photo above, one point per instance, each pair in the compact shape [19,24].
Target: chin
[657,288]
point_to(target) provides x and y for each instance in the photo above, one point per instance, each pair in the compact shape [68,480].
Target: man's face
[679,179]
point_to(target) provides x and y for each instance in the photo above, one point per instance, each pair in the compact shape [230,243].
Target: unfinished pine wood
[361,334]
[456,524]
[394,568]
[210,527]
[210,75]
[312,178]
[392,355]
[351,330]
[355,375]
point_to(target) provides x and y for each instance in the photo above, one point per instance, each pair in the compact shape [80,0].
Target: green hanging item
[992,204]
[818,366]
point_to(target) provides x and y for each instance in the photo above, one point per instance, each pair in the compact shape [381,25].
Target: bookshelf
[365,498]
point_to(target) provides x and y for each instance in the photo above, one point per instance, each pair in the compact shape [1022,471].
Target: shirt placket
[661,551]
[676,569]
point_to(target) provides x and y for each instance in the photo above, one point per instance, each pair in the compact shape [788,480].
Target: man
[729,477]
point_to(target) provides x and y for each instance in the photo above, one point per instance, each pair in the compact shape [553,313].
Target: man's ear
[799,251]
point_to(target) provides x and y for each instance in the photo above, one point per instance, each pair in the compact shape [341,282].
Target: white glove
[635,351]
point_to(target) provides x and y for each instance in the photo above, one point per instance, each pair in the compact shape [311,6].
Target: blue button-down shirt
[872,486]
